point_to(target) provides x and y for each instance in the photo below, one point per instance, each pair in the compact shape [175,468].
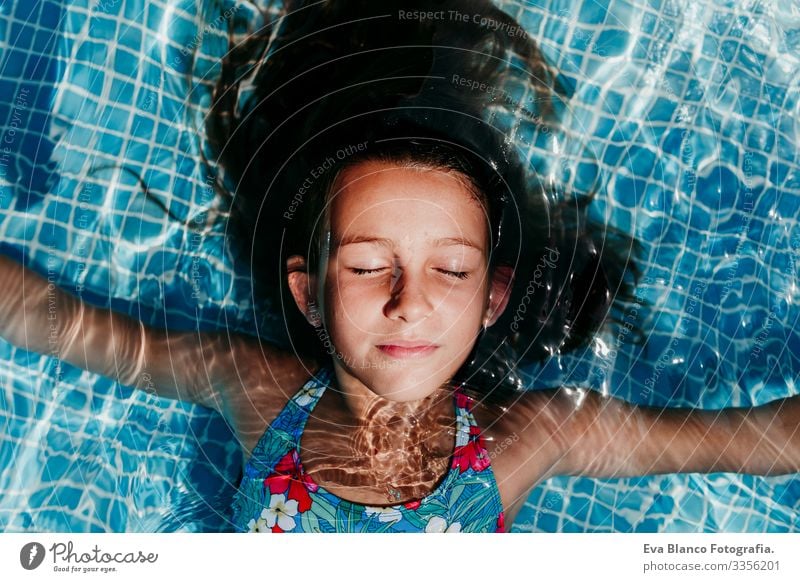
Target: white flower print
[462,418]
[307,395]
[385,514]
[437,524]
[280,511]
[462,424]
[259,526]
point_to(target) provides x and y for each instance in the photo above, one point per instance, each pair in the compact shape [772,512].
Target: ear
[499,292]
[303,287]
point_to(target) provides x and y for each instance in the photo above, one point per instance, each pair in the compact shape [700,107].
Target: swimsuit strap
[284,431]
[466,425]
[306,399]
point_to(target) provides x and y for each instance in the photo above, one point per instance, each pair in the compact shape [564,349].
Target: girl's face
[407,288]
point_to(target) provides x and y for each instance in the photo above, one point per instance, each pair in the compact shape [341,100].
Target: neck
[367,410]
[397,448]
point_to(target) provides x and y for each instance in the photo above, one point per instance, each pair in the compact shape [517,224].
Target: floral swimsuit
[276,495]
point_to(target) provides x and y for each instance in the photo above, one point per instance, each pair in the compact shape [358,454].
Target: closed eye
[458,274]
[454,274]
[367,271]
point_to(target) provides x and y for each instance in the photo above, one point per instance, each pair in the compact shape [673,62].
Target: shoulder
[525,439]
[529,414]
[269,377]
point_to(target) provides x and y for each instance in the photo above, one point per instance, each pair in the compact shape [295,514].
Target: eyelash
[455,274]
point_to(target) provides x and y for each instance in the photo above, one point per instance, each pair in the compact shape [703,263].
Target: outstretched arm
[197,367]
[606,437]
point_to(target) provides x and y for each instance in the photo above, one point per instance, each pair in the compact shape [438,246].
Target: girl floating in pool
[416,266]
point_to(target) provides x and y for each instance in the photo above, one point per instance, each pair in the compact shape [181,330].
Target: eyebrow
[389,243]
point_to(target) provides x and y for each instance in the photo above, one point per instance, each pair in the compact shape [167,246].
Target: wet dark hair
[345,82]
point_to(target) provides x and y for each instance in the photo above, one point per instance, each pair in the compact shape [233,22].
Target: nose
[408,297]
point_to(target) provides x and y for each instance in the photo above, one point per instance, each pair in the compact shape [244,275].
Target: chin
[404,385]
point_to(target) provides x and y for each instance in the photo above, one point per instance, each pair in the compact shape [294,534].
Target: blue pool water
[682,114]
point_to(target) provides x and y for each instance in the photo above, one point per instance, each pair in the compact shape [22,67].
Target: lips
[407,348]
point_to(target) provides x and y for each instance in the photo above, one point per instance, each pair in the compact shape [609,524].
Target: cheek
[351,311]
[352,299]
[465,302]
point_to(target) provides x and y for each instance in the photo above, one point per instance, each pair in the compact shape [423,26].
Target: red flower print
[277,529]
[501,523]
[412,504]
[463,401]
[286,465]
[471,455]
[310,485]
[286,478]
